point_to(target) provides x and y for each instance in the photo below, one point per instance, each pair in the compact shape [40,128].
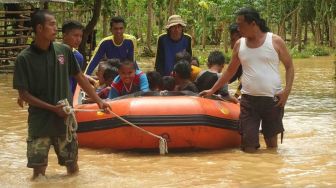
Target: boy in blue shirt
[72,32]
[117,46]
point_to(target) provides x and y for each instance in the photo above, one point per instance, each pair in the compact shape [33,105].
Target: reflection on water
[306,158]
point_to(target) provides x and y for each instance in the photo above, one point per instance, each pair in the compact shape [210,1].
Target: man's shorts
[38,149]
[256,109]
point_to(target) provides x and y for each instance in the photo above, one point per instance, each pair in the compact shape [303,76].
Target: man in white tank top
[263,99]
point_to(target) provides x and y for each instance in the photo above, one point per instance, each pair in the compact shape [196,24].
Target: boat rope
[70,121]
[164,93]
[162,144]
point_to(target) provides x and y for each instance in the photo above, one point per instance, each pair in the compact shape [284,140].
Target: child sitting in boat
[128,81]
[106,73]
[154,80]
[207,78]
[109,75]
[182,75]
[168,83]
[184,55]
[195,61]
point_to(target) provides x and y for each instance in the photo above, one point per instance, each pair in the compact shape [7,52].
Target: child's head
[114,62]
[106,72]
[72,33]
[194,61]
[216,61]
[126,70]
[168,83]
[234,34]
[101,69]
[182,70]
[183,55]
[109,74]
[154,80]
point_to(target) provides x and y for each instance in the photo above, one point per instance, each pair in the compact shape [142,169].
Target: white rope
[162,144]
[70,121]
[164,93]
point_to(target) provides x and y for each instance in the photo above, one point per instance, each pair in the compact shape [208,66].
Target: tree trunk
[63,13]
[171,8]
[335,69]
[204,26]
[45,5]
[161,20]
[299,28]
[318,21]
[105,25]
[317,34]
[332,32]
[218,33]
[139,30]
[226,36]
[281,29]
[124,8]
[293,30]
[89,27]
[312,28]
[305,38]
[268,13]
[282,25]
[192,34]
[149,26]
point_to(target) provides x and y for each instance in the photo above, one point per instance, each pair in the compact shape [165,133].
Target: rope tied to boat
[70,121]
[163,142]
[163,147]
[164,93]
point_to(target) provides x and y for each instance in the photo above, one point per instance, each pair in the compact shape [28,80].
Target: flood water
[307,157]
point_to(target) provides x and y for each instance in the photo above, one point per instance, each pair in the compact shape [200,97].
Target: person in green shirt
[41,76]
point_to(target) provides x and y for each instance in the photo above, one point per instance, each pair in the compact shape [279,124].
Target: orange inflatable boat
[183,119]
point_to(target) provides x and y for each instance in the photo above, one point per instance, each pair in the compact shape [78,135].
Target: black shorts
[255,110]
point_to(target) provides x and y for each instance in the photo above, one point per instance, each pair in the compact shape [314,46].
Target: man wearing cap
[170,43]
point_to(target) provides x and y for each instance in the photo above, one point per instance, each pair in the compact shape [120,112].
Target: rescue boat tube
[184,119]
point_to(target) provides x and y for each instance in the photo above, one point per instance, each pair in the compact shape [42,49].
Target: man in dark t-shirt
[170,43]
[41,76]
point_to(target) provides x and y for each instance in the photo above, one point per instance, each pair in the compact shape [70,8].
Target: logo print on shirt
[60,59]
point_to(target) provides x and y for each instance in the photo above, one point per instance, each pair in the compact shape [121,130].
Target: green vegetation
[307,26]
[310,51]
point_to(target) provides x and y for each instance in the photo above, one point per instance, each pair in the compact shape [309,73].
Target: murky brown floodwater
[307,158]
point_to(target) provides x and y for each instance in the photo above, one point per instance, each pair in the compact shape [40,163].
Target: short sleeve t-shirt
[206,79]
[45,75]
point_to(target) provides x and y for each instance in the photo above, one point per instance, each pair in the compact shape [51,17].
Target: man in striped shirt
[119,45]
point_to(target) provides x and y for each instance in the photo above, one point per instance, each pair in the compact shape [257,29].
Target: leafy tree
[90,26]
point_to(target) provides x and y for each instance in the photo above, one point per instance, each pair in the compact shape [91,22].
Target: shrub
[319,51]
[309,52]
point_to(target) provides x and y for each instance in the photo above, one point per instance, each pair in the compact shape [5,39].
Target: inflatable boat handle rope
[163,143]
[70,111]
[70,121]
